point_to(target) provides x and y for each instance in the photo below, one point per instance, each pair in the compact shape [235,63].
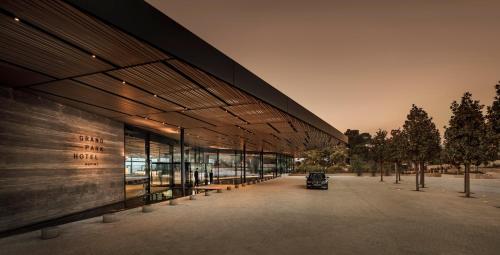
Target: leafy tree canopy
[397,146]
[465,135]
[379,146]
[422,135]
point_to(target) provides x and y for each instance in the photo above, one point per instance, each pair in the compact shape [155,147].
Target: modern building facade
[103,102]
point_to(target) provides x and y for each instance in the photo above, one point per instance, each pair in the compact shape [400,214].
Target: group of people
[197,177]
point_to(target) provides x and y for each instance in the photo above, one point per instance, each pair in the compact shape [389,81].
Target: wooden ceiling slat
[219,88]
[217,115]
[66,22]
[14,76]
[79,92]
[115,86]
[257,113]
[178,119]
[157,78]
[24,46]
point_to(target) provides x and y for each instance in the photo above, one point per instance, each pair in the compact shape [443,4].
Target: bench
[208,188]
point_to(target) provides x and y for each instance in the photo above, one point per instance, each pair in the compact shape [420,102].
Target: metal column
[183,170]
[244,163]
[235,166]
[172,170]
[218,168]
[261,164]
[148,164]
[275,172]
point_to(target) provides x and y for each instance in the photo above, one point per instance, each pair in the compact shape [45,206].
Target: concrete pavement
[357,215]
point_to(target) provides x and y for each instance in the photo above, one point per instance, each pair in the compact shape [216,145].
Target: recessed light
[93,56]
[123,82]
[155,95]
[16,19]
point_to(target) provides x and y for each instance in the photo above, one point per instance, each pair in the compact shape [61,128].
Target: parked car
[317,180]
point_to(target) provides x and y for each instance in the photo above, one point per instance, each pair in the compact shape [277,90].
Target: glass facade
[153,166]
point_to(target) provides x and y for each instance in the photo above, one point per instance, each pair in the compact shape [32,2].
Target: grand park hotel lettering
[91,148]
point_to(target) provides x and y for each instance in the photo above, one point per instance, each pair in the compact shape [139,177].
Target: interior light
[93,56]
[155,95]
[123,82]
[16,19]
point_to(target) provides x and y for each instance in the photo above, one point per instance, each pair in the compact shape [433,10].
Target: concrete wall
[55,160]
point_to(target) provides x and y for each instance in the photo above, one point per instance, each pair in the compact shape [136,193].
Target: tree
[465,135]
[324,159]
[359,151]
[338,154]
[380,150]
[398,145]
[423,140]
[493,128]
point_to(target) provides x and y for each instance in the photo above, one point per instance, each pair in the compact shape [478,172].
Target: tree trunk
[381,171]
[467,180]
[399,175]
[422,175]
[417,167]
[397,172]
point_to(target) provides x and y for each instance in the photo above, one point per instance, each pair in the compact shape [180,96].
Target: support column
[148,165]
[275,172]
[218,168]
[235,166]
[244,163]
[183,168]
[241,168]
[172,171]
[261,164]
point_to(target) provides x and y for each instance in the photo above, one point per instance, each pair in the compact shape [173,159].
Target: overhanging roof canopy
[127,61]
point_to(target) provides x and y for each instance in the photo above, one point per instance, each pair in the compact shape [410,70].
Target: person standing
[211,177]
[196,178]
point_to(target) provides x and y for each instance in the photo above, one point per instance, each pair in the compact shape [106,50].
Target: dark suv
[317,180]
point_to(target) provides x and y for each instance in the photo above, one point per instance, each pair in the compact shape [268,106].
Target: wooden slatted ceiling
[166,130]
[178,119]
[76,91]
[156,77]
[27,47]
[219,88]
[66,22]
[14,76]
[257,113]
[83,106]
[260,128]
[216,115]
[194,99]
[112,85]
[163,81]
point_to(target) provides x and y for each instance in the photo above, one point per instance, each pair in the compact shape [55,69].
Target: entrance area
[153,168]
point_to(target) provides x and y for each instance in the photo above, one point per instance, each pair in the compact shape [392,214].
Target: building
[103,102]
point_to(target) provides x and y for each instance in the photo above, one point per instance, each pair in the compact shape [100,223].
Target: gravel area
[357,215]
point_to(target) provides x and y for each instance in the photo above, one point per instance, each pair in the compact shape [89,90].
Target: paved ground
[358,215]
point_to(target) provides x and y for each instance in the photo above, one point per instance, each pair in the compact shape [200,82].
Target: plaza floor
[357,215]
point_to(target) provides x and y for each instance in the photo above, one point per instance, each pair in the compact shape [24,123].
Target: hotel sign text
[91,148]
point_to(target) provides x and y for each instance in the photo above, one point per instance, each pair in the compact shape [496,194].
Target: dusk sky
[357,64]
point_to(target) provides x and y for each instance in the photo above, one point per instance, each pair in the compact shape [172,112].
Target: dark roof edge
[143,21]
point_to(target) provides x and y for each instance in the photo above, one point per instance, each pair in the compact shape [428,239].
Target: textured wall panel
[40,178]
